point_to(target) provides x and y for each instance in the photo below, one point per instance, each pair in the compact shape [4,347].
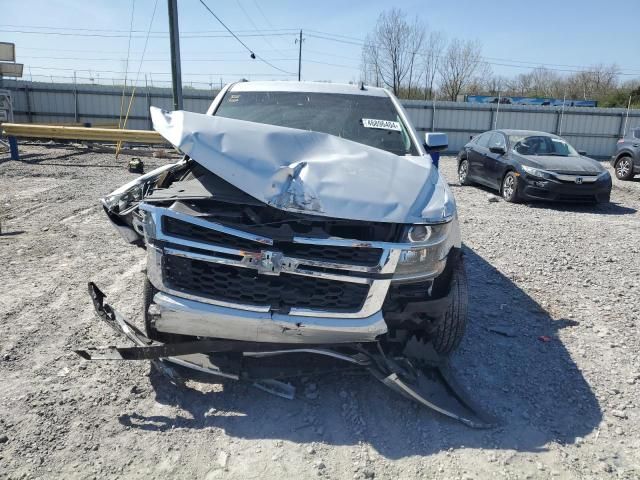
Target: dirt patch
[551,350]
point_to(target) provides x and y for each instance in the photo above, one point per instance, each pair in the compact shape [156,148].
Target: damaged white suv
[303,215]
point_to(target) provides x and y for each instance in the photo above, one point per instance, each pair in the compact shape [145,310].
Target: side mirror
[498,150]
[582,152]
[436,142]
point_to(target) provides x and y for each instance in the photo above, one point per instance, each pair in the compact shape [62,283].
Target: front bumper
[555,191]
[173,314]
[190,299]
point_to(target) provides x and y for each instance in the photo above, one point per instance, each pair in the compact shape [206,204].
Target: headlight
[129,194]
[121,202]
[426,258]
[604,174]
[419,233]
[536,172]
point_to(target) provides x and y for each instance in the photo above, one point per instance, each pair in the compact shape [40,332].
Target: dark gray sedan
[528,165]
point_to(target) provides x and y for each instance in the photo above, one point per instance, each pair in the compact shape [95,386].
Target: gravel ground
[551,349]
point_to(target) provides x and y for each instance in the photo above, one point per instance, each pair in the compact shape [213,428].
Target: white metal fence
[594,130]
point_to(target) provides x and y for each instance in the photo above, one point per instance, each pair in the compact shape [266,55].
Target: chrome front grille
[213,263]
[577,179]
[244,285]
[329,253]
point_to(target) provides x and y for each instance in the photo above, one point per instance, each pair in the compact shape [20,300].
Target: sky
[54,39]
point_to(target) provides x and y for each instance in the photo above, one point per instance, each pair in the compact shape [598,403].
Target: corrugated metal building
[594,130]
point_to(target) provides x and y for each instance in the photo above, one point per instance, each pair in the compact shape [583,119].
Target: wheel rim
[508,186]
[462,171]
[623,168]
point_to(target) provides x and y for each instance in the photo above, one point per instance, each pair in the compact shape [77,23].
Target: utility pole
[174,36]
[300,55]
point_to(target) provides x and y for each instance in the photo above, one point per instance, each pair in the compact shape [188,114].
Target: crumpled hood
[575,165]
[310,172]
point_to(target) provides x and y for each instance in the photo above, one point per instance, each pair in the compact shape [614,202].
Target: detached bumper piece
[431,385]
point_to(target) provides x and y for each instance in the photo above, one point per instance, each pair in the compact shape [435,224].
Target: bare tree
[594,82]
[370,60]
[416,40]
[432,52]
[391,49]
[546,83]
[459,65]
[520,85]
[485,82]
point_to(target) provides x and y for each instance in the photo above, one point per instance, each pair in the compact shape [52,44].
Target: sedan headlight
[427,253]
[536,172]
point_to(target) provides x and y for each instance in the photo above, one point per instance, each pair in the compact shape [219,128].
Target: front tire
[509,188]
[624,168]
[453,323]
[463,172]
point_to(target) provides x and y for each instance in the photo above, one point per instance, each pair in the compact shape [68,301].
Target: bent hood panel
[310,172]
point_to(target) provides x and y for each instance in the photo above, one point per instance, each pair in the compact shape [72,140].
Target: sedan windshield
[541,145]
[369,120]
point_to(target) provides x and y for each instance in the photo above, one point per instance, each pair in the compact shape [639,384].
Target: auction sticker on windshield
[383,124]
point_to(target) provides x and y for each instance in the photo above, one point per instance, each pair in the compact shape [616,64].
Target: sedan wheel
[624,168]
[463,173]
[510,187]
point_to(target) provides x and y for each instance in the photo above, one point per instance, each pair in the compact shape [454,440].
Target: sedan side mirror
[498,150]
[582,152]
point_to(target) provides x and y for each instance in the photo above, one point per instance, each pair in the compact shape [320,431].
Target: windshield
[541,145]
[372,121]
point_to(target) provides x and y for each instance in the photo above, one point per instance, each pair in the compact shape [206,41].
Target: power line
[353,67]
[317,52]
[259,8]
[512,64]
[195,60]
[29,27]
[253,55]
[118,55]
[126,68]
[104,80]
[335,35]
[344,39]
[266,39]
[349,42]
[165,35]
[157,73]
[228,29]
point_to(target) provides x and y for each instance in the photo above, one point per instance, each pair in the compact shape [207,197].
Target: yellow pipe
[81,133]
